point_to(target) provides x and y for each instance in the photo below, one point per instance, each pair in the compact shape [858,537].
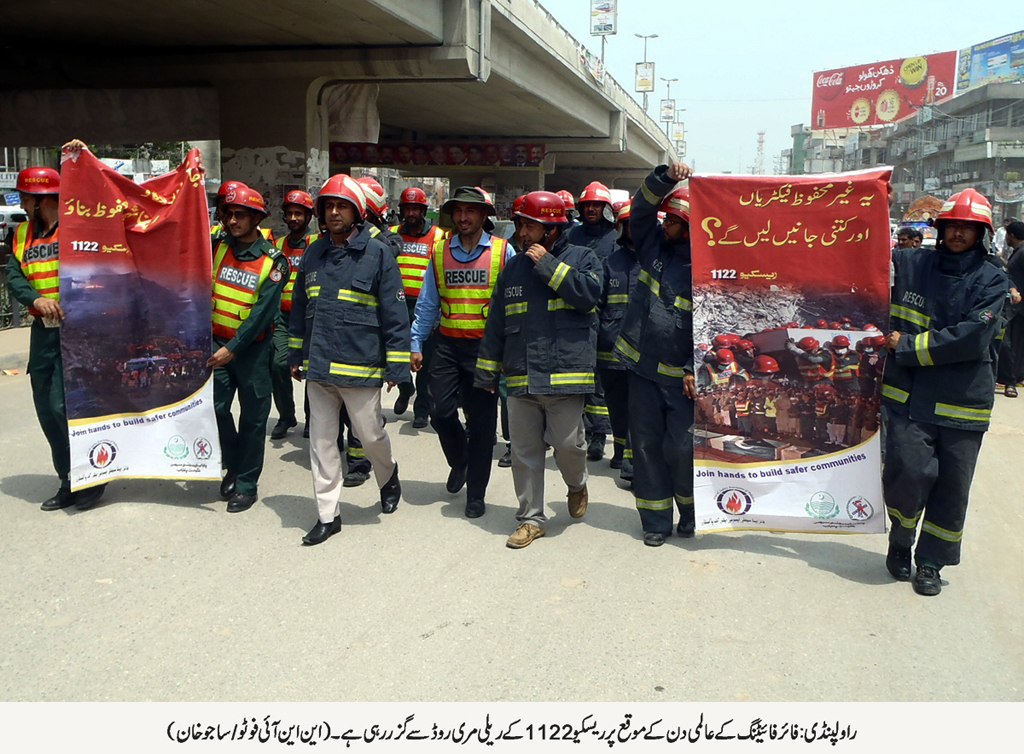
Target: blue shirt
[428,304]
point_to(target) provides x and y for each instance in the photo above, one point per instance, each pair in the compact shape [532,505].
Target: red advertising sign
[881,93]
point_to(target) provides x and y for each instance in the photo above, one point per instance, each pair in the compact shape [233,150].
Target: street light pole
[645,37]
[668,95]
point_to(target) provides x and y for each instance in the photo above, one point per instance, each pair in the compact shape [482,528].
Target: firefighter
[570,205]
[817,365]
[847,373]
[349,277]
[542,333]
[419,235]
[596,231]
[33,277]
[249,274]
[621,270]
[376,208]
[298,213]
[656,345]
[217,231]
[938,387]
[720,371]
[457,287]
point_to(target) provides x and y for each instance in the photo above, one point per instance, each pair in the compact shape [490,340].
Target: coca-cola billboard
[881,93]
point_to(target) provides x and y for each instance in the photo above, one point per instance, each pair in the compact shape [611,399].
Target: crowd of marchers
[578,326]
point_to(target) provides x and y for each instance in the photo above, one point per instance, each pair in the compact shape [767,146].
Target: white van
[10,216]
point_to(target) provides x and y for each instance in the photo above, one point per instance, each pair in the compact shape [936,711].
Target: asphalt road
[159,594]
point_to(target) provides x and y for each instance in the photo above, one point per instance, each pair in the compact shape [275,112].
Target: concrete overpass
[277,82]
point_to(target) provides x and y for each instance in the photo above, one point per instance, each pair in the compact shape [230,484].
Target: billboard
[645,77]
[995,61]
[401,154]
[678,131]
[603,15]
[881,93]
[668,110]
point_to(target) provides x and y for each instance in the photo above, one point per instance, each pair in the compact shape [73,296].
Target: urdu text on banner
[135,283]
[790,297]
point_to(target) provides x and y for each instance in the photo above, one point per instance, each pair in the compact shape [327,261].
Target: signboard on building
[603,17]
[996,61]
[8,180]
[668,110]
[13,199]
[881,93]
[645,77]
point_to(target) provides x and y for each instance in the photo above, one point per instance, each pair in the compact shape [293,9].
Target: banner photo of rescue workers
[790,295]
[135,277]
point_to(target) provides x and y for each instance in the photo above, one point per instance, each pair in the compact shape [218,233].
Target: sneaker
[522,536]
[578,502]
[897,561]
[927,581]
[506,460]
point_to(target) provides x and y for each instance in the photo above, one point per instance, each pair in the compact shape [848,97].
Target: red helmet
[967,205]
[878,341]
[300,198]
[821,324]
[840,341]
[376,202]
[245,197]
[624,211]
[596,192]
[566,196]
[543,207]
[765,364]
[342,186]
[678,204]
[413,195]
[808,343]
[517,204]
[725,356]
[229,186]
[791,324]
[845,320]
[870,326]
[835,326]
[744,345]
[725,340]
[39,181]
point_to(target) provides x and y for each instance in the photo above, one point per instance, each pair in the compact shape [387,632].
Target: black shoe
[86,499]
[595,451]
[391,493]
[506,460]
[420,422]
[62,499]
[927,581]
[897,560]
[355,477]
[616,462]
[227,485]
[686,529]
[475,508]
[322,531]
[654,539]
[456,480]
[627,470]
[401,405]
[281,428]
[305,431]
[240,502]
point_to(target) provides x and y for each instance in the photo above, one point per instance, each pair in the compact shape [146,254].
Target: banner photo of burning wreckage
[135,285]
[790,300]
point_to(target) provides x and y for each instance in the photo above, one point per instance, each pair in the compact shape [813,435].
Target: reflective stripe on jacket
[39,260]
[465,288]
[236,286]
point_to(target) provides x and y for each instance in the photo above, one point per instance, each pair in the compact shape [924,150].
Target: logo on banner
[822,505]
[202,448]
[734,501]
[176,448]
[102,454]
[859,509]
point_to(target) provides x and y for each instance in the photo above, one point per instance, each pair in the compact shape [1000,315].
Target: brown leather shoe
[522,536]
[578,502]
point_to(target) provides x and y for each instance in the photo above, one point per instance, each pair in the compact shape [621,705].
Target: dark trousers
[660,424]
[928,470]
[616,395]
[1011,353]
[595,411]
[280,374]
[46,374]
[248,375]
[451,385]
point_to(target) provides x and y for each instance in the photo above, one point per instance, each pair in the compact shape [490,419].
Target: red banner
[135,284]
[881,93]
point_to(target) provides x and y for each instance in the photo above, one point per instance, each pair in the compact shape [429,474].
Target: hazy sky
[747,66]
